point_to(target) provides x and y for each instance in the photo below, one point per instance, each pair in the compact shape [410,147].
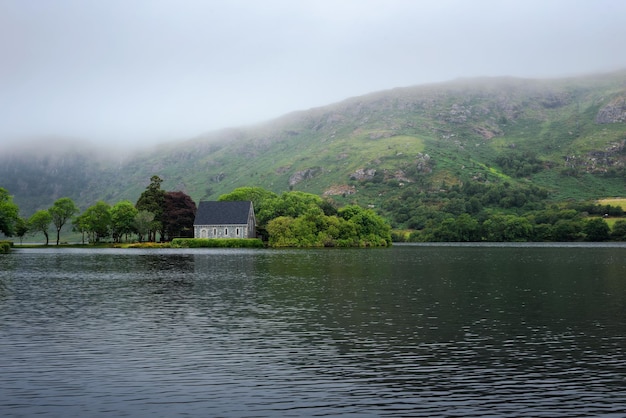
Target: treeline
[473,211]
[298,219]
[156,212]
[500,213]
[560,225]
[293,219]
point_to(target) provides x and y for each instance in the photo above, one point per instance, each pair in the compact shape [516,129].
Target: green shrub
[5,246]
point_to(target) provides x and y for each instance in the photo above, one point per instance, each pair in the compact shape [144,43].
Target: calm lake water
[428,330]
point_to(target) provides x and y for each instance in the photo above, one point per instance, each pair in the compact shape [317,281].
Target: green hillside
[563,136]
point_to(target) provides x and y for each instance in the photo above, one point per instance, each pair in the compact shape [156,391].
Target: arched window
[225,232]
[237,232]
[214,232]
[203,233]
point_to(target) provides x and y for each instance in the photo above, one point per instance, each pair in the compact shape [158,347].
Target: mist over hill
[565,135]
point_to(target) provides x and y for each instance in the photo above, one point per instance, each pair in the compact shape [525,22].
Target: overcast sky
[128,72]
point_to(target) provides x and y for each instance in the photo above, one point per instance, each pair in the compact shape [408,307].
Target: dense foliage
[298,219]
[178,215]
[8,213]
[123,216]
[96,221]
[502,214]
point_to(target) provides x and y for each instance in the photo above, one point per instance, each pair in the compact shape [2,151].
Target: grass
[614,201]
[216,243]
[582,187]
[176,243]
[65,245]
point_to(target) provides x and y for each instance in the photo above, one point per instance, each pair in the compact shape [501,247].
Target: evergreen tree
[152,200]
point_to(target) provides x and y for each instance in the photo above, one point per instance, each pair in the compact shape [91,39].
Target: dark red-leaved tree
[179,212]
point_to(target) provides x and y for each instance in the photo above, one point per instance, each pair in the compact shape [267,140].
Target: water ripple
[404,332]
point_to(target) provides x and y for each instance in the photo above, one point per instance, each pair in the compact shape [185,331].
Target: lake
[424,330]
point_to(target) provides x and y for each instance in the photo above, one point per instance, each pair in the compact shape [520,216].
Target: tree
[79,224]
[122,219]
[567,230]
[371,228]
[596,229]
[257,195]
[268,205]
[281,232]
[460,229]
[619,231]
[507,228]
[62,210]
[142,221]
[297,203]
[21,228]
[262,201]
[8,213]
[179,213]
[40,222]
[299,219]
[152,200]
[96,221]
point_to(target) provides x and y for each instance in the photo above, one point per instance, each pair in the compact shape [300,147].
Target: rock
[340,190]
[613,112]
[299,176]
[283,169]
[218,178]
[363,174]
[423,164]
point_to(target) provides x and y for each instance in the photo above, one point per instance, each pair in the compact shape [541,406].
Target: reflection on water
[406,331]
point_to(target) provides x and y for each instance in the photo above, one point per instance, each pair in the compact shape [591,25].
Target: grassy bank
[216,243]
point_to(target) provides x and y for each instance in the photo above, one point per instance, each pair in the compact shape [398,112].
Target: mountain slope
[567,135]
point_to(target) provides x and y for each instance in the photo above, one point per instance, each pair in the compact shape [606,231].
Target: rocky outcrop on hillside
[613,112]
[363,174]
[600,161]
[423,163]
[307,174]
[340,190]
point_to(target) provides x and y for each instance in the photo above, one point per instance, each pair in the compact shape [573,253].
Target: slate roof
[222,213]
